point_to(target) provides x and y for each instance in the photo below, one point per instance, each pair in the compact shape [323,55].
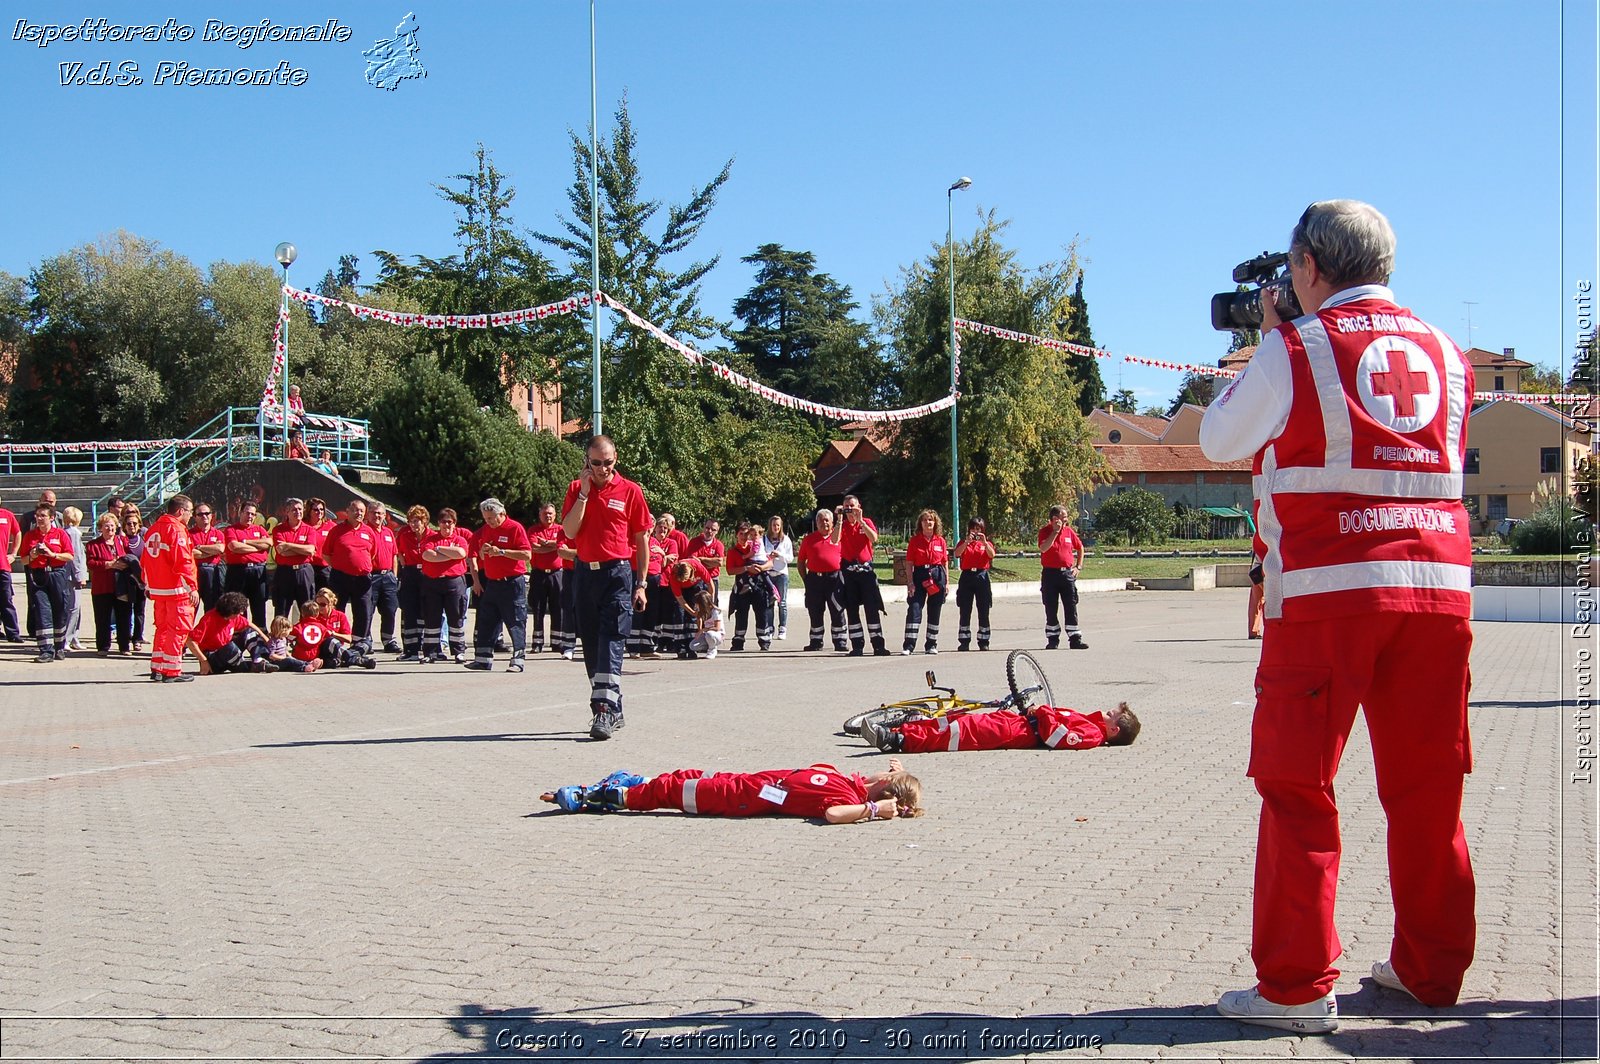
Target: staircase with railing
[145,472]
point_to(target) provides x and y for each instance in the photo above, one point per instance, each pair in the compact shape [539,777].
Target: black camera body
[1238,311]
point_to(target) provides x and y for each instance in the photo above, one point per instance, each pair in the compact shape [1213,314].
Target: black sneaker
[881,651]
[889,740]
[49,655]
[601,727]
[812,646]
[1076,642]
[407,659]
[479,666]
[962,648]
[182,677]
[856,652]
[1054,644]
[391,647]
[367,661]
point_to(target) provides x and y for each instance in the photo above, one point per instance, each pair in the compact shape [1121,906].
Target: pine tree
[1023,446]
[1086,371]
[494,269]
[800,334]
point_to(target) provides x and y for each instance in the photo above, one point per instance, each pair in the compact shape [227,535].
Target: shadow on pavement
[1545,1030]
[493,737]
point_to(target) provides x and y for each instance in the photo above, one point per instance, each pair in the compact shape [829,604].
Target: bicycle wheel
[890,715]
[1029,687]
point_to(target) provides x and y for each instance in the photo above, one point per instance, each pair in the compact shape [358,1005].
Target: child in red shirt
[225,641]
[1055,728]
[820,791]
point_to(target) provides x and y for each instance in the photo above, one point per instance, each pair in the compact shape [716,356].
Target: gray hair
[292,501]
[492,505]
[1351,241]
[821,511]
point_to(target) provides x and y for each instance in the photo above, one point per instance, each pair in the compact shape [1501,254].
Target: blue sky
[1171,139]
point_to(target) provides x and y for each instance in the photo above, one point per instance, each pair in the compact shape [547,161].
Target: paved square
[356,866]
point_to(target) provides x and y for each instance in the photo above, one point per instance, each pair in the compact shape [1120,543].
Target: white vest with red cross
[1359,497]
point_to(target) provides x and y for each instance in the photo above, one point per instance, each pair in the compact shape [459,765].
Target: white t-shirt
[780,553]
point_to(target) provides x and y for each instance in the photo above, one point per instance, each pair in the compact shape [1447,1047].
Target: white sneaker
[566,655]
[1314,1017]
[783,633]
[905,653]
[1384,975]
[712,653]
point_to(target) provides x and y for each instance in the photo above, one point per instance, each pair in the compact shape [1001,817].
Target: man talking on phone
[1355,413]
[608,522]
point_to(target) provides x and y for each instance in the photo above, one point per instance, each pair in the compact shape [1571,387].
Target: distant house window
[1471,464]
[1497,507]
[1499,384]
[1115,436]
[1549,459]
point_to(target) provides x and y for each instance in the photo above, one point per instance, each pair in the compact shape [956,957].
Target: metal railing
[238,433]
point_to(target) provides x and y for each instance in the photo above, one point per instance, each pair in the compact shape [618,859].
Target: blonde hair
[416,512]
[72,517]
[906,790]
[938,524]
[327,597]
[280,627]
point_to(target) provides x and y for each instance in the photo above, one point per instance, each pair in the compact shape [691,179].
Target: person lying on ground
[1048,726]
[819,791]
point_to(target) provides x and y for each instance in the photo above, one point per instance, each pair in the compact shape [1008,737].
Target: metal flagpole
[594,226]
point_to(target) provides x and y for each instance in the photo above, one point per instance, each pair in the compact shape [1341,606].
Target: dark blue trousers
[503,601]
[604,602]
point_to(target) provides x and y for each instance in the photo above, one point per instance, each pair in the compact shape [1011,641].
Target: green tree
[800,332]
[1541,380]
[1197,388]
[1024,446]
[494,268]
[1125,400]
[443,447]
[118,344]
[1138,513]
[1086,371]
[646,387]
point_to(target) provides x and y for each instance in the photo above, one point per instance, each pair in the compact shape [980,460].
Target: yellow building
[1512,448]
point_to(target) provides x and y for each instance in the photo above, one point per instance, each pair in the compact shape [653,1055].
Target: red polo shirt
[440,570]
[854,546]
[1063,553]
[509,536]
[10,532]
[700,576]
[386,548]
[351,550]
[551,533]
[56,540]
[819,553]
[235,533]
[710,552]
[613,516]
[214,630]
[409,545]
[302,534]
[927,550]
[209,537]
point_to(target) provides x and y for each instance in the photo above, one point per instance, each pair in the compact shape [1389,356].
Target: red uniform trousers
[691,790]
[174,621]
[974,731]
[1408,671]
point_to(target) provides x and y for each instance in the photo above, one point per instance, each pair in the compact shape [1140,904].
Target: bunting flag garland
[772,395]
[1029,338]
[280,353]
[106,445]
[1528,397]
[522,316]
[1182,367]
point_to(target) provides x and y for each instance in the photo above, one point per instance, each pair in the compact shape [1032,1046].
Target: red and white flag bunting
[106,445]
[1182,367]
[772,395]
[1029,338]
[522,316]
[1528,397]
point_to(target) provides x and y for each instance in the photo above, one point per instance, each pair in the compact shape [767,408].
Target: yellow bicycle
[1027,681]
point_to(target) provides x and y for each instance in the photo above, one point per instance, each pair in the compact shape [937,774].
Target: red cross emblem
[1401,383]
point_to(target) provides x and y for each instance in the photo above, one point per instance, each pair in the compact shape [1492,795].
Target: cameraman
[1355,414]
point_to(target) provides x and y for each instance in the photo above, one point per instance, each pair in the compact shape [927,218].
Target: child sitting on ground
[818,791]
[320,640]
[1049,726]
[278,640]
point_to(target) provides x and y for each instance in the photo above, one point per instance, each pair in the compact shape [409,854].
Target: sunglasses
[602,463]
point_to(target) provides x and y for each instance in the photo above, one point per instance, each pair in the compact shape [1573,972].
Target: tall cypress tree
[1086,371]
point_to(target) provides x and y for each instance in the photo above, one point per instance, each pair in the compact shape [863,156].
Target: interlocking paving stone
[356,864]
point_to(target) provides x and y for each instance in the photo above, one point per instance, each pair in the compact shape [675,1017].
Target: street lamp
[950,255]
[285,253]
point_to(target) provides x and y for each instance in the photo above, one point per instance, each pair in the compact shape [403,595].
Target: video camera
[1238,311]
